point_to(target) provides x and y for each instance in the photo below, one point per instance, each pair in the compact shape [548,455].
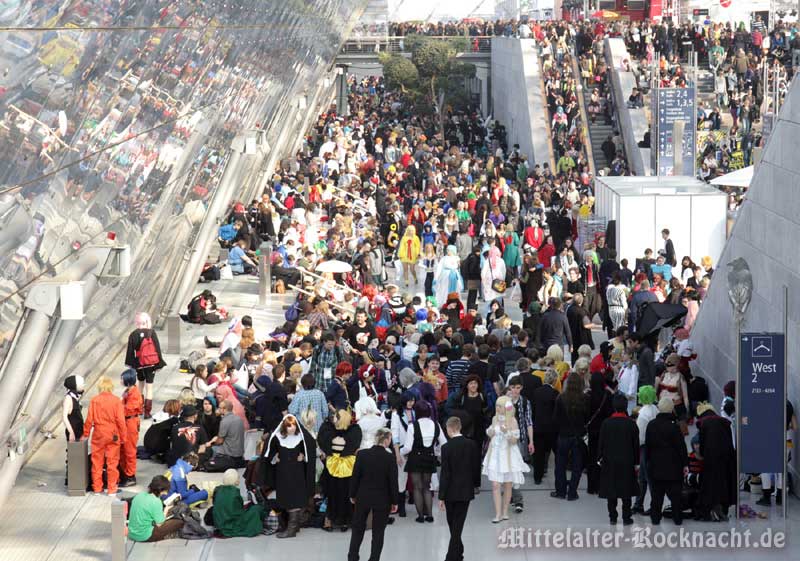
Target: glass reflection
[117,115]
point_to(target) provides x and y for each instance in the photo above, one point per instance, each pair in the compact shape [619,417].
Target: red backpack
[147,355]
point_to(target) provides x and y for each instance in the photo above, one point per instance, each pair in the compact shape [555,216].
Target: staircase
[598,132]
[705,87]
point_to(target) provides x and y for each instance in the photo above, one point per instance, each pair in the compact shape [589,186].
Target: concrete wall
[765,235]
[633,122]
[517,96]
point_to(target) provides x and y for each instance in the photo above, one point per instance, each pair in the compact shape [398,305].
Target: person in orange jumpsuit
[133,407]
[106,423]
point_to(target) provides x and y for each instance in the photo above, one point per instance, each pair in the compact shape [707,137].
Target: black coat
[665,449]
[461,470]
[544,406]
[374,480]
[600,402]
[530,384]
[718,484]
[618,454]
[134,342]
[554,328]
[270,405]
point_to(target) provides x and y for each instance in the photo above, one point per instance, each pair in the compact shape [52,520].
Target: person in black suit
[457,485]
[669,249]
[545,428]
[373,488]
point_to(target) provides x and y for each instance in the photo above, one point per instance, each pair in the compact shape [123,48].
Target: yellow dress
[408,252]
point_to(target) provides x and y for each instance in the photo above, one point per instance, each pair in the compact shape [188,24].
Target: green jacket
[230,517]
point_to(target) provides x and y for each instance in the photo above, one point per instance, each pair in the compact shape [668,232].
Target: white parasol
[334,266]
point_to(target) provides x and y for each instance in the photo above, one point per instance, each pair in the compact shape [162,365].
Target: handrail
[307,293]
[316,276]
[548,116]
[396,43]
[587,140]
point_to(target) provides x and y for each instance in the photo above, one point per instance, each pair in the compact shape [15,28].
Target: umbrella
[605,14]
[656,315]
[334,266]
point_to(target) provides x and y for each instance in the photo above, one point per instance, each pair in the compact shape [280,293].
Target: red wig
[343,369]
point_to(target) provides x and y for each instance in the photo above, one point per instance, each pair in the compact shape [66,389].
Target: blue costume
[177,484]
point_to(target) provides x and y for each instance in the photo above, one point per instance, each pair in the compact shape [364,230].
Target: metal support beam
[207,233]
[51,367]
[20,364]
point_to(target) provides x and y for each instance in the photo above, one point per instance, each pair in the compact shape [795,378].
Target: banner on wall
[762,401]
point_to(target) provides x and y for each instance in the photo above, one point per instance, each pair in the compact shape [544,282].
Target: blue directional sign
[672,105]
[762,402]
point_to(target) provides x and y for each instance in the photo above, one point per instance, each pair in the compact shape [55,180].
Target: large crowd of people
[444,316]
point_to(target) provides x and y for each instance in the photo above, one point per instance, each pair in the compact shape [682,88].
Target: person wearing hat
[673,385]
[71,414]
[187,435]
[719,483]
[667,461]
[291,464]
[647,412]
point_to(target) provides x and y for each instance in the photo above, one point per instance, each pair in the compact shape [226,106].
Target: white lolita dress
[503,462]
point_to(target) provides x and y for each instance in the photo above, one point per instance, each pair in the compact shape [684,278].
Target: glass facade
[118,115]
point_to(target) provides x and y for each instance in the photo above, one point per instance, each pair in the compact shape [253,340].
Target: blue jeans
[568,445]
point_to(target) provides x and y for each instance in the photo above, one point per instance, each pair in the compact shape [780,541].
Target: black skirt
[422,461]
[337,492]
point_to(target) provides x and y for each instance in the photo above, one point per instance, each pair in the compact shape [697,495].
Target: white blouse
[428,429]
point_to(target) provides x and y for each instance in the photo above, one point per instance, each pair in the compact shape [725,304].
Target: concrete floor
[43,524]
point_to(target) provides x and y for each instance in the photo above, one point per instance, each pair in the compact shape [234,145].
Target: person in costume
[133,407]
[408,253]
[71,414]
[338,440]
[493,268]
[503,464]
[231,519]
[291,456]
[448,277]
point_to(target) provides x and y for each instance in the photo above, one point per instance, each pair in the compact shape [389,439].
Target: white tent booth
[693,211]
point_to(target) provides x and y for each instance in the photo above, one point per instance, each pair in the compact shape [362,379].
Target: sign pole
[784,482]
[738,417]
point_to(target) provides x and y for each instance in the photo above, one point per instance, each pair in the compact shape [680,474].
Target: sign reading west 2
[762,402]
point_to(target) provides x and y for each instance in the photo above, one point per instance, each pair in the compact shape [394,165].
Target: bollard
[264,272]
[173,335]
[78,464]
[119,530]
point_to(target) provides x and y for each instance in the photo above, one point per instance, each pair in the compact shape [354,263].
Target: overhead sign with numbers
[670,106]
[762,402]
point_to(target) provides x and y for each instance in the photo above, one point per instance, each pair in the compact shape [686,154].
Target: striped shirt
[456,372]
